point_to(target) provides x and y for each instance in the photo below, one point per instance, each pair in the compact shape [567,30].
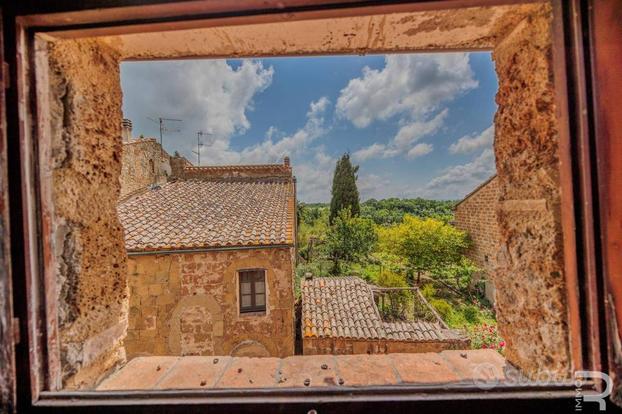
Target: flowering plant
[486,336]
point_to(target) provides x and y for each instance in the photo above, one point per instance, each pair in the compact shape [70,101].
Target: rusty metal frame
[576,198]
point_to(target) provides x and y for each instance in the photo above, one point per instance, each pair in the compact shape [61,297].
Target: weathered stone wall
[477,215]
[183,169]
[80,173]
[343,346]
[178,163]
[143,163]
[529,278]
[187,304]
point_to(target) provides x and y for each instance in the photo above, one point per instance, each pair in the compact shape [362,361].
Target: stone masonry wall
[529,277]
[187,304]
[144,163]
[477,215]
[80,177]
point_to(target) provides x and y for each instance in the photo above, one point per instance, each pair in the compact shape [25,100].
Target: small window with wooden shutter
[252,291]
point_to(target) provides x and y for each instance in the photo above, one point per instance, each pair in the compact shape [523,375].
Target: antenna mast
[200,144]
[162,123]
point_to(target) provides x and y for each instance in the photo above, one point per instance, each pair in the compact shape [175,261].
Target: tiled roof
[343,307]
[192,214]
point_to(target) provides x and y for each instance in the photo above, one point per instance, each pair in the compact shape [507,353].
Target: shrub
[443,308]
[471,313]
[428,291]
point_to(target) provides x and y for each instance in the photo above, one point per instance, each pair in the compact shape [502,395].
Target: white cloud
[403,141]
[416,130]
[419,150]
[411,85]
[208,95]
[470,143]
[373,151]
[273,151]
[373,186]
[315,177]
[457,181]
[272,132]
[318,107]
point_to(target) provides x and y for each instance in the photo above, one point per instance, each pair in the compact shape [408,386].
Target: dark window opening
[252,291]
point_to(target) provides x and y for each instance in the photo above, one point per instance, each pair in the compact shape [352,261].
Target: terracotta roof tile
[343,307]
[210,213]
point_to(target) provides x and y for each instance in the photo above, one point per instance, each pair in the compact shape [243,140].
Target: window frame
[253,308]
[33,370]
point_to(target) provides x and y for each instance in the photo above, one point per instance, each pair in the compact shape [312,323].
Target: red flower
[502,344]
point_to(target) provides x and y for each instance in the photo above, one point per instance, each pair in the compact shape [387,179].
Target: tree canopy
[425,245]
[350,239]
[392,210]
[345,194]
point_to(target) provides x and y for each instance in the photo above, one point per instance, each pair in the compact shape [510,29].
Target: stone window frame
[252,310]
[26,30]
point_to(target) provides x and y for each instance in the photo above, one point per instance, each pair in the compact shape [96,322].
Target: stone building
[477,215]
[340,316]
[143,162]
[211,262]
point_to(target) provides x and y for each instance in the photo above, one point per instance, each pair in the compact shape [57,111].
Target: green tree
[424,245]
[344,193]
[350,239]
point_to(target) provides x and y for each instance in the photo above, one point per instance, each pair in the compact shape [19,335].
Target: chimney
[126,130]
[286,161]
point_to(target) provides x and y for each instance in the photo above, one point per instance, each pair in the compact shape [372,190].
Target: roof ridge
[237,167]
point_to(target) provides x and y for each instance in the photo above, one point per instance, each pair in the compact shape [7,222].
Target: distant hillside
[392,210]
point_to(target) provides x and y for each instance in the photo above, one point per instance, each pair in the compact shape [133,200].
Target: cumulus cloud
[403,141]
[318,107]
[375,150]
[315,177]
[419,150]
[414,131]
[373,186]
[408,84]
[457,181]
[470,143]
[290,145]
[208,95]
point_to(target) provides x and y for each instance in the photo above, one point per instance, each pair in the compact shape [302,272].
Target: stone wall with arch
[187,304]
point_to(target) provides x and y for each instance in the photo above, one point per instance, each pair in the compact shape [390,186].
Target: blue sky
[419,125]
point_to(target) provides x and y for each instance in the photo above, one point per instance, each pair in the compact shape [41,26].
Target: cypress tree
[344,192]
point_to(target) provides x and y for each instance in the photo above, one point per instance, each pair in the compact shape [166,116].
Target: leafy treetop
[425,245]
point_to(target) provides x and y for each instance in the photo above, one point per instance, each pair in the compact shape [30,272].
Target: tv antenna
[200,144]
[163,128]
